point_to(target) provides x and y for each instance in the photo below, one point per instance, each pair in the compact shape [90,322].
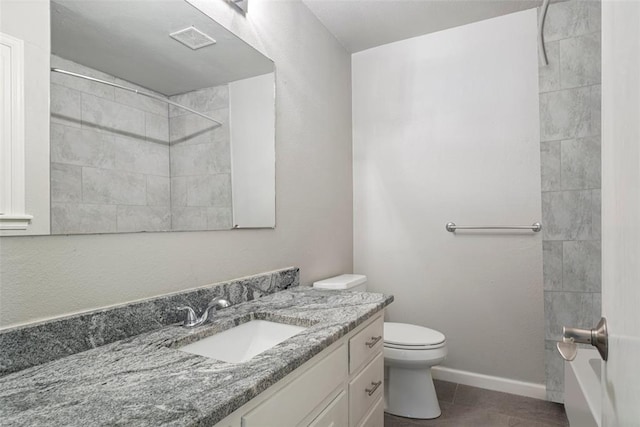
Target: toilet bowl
[409,353]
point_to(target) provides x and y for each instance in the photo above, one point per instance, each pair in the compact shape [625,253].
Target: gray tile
[596,314]
[595,102]
[158,191]
[207,99]
[144,218]
[82,147]
[110,116]
[105,186]
[141,156]
[509,404]
[595,14]
[209,190]
[565,114]
[554,367]
[581,163]
[82,85]
[573,309]
[445,390]
[521,422]
[201,159]
[549,75]
[191,129]
[582,269]
[140,102]
[179,191]
[571,18]
[456,415]
[66,183]
[550,165]
[188,218]
[81,219]
[395,421]
[65,106]
[219,218]
[552,264]
[157,128]
[566,215]
[580,59]
[596,214]
[555,396]
[473,416]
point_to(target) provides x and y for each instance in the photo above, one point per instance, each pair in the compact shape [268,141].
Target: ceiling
[363,24]
[130,39]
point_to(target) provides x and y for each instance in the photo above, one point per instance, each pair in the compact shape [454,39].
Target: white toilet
[409,353]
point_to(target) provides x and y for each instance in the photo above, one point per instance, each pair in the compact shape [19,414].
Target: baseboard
[505,385]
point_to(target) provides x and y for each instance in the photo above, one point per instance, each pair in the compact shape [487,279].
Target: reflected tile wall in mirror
[124,163]
[201,161]
[110,169]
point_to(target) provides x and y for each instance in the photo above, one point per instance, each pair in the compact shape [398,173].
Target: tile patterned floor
[465,406]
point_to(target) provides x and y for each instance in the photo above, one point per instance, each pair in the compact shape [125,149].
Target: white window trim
[13,214]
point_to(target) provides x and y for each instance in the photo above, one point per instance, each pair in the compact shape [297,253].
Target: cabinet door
[365,390]
[375,417]
[297,400]
[334,415]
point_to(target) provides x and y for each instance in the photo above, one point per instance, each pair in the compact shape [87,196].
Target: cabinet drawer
[298,399]
[365,344]
[334,415]
[375,417]
[366,389]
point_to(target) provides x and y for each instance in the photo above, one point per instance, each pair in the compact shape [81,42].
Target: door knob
[597,337]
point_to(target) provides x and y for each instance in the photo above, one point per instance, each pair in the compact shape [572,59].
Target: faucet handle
[192,318]
[219,303]
[215,304]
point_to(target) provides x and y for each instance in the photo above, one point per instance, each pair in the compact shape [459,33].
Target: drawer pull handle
[373,341]
[373,389]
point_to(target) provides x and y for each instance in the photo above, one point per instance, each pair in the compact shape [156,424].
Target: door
[621,211]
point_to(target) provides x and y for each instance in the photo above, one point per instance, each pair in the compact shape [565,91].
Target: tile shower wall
[121,162]
[570,163]
[201,161]
[109,156]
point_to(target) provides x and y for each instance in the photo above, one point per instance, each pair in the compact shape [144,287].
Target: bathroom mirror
[161,119]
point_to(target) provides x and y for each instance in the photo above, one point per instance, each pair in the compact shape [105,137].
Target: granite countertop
[145,380]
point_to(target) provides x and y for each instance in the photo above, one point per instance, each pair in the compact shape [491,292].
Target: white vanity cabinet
[340,387]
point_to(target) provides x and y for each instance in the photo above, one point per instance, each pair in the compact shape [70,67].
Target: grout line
[455,391]
[575,36]
[564,89]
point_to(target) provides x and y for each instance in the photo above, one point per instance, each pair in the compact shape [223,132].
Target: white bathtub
[582,396]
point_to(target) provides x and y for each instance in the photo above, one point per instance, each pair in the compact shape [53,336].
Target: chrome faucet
[193,320]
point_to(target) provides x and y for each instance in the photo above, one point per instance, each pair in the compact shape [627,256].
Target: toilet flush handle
[373,341]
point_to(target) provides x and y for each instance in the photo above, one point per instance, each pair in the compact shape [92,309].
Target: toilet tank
[345,282]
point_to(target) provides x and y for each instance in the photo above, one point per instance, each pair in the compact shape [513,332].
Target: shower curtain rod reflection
[139,92]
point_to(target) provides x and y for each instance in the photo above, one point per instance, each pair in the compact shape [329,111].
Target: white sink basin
[243,342]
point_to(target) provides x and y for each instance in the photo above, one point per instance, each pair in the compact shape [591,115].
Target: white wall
[446,128]
[29,21]
[620,211]
[251,117]
[43,277]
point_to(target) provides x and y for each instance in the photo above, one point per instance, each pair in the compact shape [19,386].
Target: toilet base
[410,393]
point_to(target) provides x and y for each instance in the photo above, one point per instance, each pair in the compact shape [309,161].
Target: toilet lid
[404,334]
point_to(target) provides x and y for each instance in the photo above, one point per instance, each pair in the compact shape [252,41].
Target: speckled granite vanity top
[144,380]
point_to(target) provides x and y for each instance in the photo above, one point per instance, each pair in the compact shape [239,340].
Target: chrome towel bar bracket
[452,227]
